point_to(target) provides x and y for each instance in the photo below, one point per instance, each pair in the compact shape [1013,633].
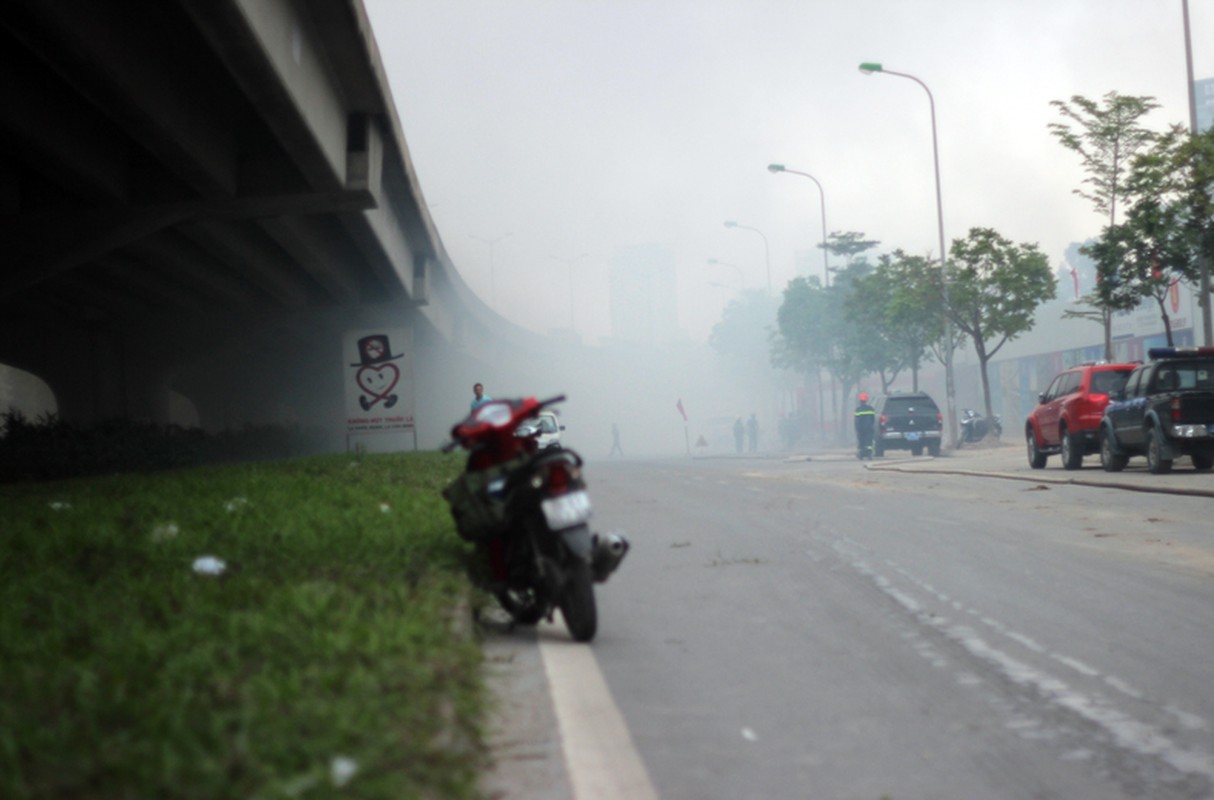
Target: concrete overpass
[198,197]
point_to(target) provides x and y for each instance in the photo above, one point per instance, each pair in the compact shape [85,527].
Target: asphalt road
[911,628]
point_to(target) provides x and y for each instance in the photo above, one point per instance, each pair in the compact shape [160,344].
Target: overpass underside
[201,196]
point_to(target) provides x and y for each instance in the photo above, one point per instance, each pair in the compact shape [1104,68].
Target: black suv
[907,421]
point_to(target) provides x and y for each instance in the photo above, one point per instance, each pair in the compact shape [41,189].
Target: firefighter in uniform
[865,419]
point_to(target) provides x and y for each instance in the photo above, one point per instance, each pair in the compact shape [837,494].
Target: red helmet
[863,397]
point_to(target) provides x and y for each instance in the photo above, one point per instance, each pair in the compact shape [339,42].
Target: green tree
[995,287]
[1106,136]
[898,307]
[813,332]
[848,245]
[1196,175]
[805,335]
[1168,228]
[745,328]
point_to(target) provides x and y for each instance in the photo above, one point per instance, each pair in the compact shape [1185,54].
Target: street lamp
[570,262]
[766,249]
[492,274]
[1207,327]
[736,268]
[868,68]
[775,169]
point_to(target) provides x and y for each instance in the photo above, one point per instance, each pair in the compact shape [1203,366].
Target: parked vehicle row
[1162,409]
[1066,421]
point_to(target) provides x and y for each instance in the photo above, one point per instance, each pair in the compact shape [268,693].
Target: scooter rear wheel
[577,602]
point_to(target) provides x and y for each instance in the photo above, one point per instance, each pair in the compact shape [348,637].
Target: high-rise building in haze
[1203,90]
[643,295]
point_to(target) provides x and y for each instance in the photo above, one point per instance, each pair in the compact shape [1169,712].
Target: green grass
[338,630]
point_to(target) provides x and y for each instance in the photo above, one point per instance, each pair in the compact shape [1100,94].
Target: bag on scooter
[478,515]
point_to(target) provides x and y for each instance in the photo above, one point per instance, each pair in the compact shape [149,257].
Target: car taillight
[939,420]
[1175,409]
[882,421]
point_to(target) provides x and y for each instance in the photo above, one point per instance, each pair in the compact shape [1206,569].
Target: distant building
[643,295]
[1204,92]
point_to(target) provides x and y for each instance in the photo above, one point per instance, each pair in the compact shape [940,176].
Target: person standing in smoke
[479,398]
[865,420]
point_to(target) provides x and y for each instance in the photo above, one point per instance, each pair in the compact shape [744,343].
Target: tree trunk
[1167,321]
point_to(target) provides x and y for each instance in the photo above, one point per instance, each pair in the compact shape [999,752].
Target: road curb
[1036,479]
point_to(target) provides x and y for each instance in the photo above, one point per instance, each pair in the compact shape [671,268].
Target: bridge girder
[181,176]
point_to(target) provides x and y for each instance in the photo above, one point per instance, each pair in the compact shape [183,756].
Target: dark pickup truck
[1165,410]
[907,421]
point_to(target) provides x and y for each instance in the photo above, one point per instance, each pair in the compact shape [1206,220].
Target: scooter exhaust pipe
[608,550]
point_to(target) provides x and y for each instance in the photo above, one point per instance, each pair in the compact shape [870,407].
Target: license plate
[912,436]
[566,510]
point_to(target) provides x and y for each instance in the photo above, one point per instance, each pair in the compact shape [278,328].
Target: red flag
[679,406]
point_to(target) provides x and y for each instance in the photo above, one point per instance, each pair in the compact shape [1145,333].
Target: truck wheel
[1202,462]
[1072,451]
[1037,458]
[1156,463]
[1109,459]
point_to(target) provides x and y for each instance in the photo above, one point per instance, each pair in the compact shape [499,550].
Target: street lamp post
[492,275]
[1207,327]
[778,168]
[868,68]
[766,248]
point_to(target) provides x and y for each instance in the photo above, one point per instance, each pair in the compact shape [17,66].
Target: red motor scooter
[527,510]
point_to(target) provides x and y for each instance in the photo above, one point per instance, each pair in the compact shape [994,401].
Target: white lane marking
[1126,731]
[600,757]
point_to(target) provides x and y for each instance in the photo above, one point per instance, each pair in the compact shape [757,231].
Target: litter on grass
[209,565]
[342,769]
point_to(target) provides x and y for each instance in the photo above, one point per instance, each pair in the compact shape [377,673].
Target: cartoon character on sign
[376,376]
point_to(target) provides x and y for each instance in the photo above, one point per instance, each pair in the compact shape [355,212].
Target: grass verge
[324,660]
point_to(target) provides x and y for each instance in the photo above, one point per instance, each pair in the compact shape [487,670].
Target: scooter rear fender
[579,541]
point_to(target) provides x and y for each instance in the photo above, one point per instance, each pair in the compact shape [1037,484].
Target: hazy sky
[574,127]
